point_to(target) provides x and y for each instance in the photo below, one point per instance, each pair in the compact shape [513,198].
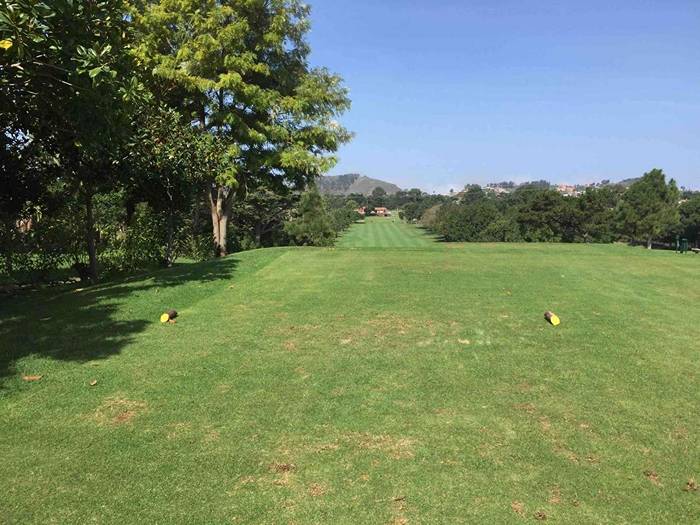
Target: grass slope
[335,386]
[384,232]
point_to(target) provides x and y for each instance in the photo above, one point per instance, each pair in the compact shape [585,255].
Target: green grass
[384,232]
[360,386]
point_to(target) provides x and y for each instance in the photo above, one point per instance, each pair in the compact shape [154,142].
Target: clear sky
[448,92]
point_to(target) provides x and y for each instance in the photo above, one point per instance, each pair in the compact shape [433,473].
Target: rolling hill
[354,183]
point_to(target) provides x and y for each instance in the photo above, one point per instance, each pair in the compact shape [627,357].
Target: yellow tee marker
[5,44]
[552,318]
[164,318]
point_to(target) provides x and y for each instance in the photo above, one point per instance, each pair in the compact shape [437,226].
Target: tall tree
[312,225]
[239,68]
[649,207]
[597,214]
[690,219]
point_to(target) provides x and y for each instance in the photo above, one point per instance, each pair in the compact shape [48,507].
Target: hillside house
[382,212]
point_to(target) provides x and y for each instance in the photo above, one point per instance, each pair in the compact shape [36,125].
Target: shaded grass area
[360,386]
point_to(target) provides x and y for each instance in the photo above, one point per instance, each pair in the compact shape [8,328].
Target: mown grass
[384,232]
[406,385]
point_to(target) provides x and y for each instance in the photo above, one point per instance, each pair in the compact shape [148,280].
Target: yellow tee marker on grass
[168,317]
[552,318]
[5,44]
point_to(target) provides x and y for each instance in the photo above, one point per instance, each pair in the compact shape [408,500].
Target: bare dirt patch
[316,490]
[175,430]
[118,411]
[545,424]
[397,448]
[327,447]
[653,477]
[691,486]
[554,496]
[518,507]
[282,467]
[529,408]
[212,436]
[284,471]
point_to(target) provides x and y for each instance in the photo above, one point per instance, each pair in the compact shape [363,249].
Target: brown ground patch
[691,486]
[326,447]
[397,448]
[118,411]
[680,434]
[524,387]
[518,507]
[316,490]
[223,388]
[302,373]
[399,510]
[282,467]
[525,407]
[554,496]
[568,454]
[176,430]
[290,346]
[212,436]
[540,515]
[653,477]
[284,471]
[545,424]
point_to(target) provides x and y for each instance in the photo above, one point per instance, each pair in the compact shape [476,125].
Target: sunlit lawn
[406,385]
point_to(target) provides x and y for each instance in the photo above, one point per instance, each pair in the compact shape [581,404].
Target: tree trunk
[649,243]
[170,249]
[8,258]
[220,200]
[258,235]
[6,235]
[90,236]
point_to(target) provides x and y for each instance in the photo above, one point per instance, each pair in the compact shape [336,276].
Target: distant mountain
[354,183]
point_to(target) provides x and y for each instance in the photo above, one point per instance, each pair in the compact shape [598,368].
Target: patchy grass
[377,385]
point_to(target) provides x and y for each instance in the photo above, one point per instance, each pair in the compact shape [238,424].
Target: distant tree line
[650,210]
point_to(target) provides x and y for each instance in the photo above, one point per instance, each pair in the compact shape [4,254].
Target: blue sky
[453,92]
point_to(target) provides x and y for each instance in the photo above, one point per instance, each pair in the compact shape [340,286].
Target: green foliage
[531,213]
[344,217]
[465,222]
[240,70]
[690,219]
[136,245]
[649,207]
[312,225]
[99,99]
[597,214]
[259,218]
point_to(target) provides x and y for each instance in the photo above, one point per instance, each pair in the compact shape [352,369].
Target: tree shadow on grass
[83,324]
